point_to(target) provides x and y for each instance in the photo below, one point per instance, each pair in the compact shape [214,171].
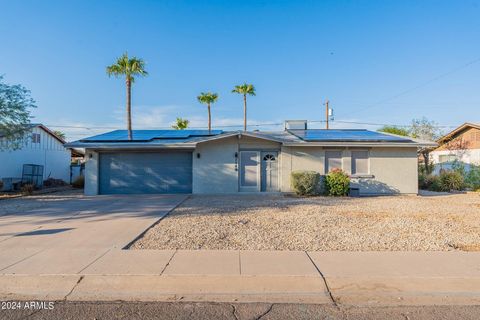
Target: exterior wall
[50,153]
[216,171]
[466,157]
[464,147]
[392,170]
[91,172]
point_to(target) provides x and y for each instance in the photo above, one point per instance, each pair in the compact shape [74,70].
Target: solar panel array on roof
[148,135]
[338,135]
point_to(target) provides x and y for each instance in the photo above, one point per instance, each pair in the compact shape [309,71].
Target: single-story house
[199,161]
[41,148]
[461,145]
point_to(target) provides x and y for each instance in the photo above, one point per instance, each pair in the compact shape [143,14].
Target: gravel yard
[267,222]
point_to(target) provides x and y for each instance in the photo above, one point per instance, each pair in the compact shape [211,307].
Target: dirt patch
[407,223]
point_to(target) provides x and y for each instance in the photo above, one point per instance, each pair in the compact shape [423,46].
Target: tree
[424,129]
[245,89]
[395,130]
[15,105]
[181,124]
[59,134]
[208,98]
[128,67]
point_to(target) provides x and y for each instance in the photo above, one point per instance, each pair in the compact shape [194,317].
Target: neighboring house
[42,147]
[196,161]
[461,146]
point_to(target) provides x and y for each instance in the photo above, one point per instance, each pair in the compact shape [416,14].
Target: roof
[44,128]
[150,135]
[463,127]
[118,139]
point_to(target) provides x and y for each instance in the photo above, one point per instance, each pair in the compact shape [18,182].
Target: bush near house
[305,183]
[451,180]
[52,182]
[472,178]
[428,182]
[337,183]
[79,182]
[27,188]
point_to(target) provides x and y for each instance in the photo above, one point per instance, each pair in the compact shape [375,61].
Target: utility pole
[327,114]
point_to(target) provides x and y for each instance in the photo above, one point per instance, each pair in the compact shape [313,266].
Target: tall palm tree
[128,67]
[208,98]
[245,89]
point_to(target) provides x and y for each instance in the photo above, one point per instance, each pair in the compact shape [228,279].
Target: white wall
[466,157]
[50,153]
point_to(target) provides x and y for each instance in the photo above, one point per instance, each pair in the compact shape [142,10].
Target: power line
[443,75]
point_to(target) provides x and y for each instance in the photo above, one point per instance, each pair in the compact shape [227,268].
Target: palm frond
[128,67]
[207,97]
[244,89]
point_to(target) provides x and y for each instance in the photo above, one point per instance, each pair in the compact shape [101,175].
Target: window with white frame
[35,137]
[446,158]
[333,160]
[360,162]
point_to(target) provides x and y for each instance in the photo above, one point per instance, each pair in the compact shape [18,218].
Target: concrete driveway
[73,229]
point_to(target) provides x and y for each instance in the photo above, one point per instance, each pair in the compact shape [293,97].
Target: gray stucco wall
[215,170]
[392,170]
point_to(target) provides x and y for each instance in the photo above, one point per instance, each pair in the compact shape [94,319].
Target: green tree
[208,98]
[180,124]
[395,130]
[15,105]
[425,129]
[128,67]
[59,134]
[245,89]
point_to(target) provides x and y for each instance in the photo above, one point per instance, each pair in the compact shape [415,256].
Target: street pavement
[236,311]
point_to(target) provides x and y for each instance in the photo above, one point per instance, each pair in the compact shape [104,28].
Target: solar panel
[338,135]
[147,135]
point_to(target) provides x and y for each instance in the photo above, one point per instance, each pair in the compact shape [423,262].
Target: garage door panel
[146,173]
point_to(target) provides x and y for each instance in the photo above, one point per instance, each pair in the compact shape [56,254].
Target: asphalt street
[234,311]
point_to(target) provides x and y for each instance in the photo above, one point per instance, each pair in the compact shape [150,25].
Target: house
[198,161]
[43,149]
[461,146]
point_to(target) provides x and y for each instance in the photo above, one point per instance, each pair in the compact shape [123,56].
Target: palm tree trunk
[209,119]
[129,108]
[244,112]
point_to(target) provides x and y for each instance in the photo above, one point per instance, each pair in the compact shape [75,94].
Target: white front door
[249,171]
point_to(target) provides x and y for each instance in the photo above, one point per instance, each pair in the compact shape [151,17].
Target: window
[446,158]
[333,160]
[35,137]
[360,162]
[269,157]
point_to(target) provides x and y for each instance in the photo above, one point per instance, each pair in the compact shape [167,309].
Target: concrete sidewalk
[348,278]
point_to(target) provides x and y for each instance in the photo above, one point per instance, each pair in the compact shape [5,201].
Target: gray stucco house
[198,161]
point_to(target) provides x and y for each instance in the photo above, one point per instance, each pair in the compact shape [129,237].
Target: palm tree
[128,67]
[208,98]
[244,89]
[181,124]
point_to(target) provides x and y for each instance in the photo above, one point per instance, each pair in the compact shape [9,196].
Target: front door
[270,171]
[249,171]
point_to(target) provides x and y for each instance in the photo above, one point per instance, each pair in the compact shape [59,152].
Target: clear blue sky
[358,54]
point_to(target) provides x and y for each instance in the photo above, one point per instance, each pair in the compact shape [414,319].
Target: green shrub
[79,182]
[337,183]
[305,182]
[451,180]
[472,178]
[428,182]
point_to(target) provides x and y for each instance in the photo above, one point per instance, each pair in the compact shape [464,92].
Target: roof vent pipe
[296,125]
